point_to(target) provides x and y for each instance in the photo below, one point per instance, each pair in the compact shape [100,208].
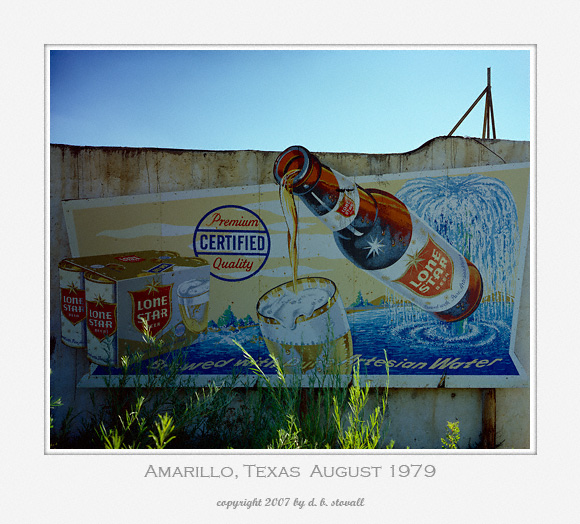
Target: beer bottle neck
[297,169]
[334,198]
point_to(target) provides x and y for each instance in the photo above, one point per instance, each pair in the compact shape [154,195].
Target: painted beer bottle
[378,233]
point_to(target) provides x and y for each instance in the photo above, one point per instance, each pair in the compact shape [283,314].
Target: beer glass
[193,298]
[307,330]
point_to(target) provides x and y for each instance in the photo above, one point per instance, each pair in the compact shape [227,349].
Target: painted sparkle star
[375,247]
[73,289]
[414,260]
[100,301]
[153,287]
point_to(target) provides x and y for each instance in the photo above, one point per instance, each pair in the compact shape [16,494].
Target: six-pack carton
[111,303]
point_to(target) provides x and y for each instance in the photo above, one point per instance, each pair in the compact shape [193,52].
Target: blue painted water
[414,343]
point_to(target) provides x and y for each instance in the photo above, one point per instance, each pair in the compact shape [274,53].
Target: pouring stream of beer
[291,217]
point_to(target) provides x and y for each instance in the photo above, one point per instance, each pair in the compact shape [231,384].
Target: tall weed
[313,417]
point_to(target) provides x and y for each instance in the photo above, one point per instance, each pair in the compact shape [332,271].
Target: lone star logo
[152,307]
[375,247]
[414,260]
[429,271]
[153,287]
[73,289]
[100,302]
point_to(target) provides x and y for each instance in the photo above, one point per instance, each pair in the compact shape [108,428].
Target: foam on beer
[288,306]
[193,288]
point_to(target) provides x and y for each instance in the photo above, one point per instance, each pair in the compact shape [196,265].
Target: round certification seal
[234,240]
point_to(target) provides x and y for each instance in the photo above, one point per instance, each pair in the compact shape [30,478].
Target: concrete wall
[418,417]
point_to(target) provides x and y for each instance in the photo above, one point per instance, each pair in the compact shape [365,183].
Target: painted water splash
[478,216]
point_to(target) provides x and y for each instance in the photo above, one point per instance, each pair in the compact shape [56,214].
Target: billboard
[388,323]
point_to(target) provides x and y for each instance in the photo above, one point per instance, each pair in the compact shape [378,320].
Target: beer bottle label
[346,208]
[431,273]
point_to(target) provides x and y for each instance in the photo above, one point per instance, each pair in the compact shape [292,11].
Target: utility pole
[489,429]
[488,118]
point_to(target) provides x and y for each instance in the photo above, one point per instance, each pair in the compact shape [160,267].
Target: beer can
[101,301]
[72,305]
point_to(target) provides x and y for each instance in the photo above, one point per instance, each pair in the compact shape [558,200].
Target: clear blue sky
[361,100]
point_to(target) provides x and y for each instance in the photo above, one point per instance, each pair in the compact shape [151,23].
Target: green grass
[146,409]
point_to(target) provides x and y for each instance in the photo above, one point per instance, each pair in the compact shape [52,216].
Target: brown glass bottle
[377,232]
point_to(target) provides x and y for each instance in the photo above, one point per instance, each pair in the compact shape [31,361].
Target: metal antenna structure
[488,119]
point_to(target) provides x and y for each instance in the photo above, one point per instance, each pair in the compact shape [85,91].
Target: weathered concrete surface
[418,416]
